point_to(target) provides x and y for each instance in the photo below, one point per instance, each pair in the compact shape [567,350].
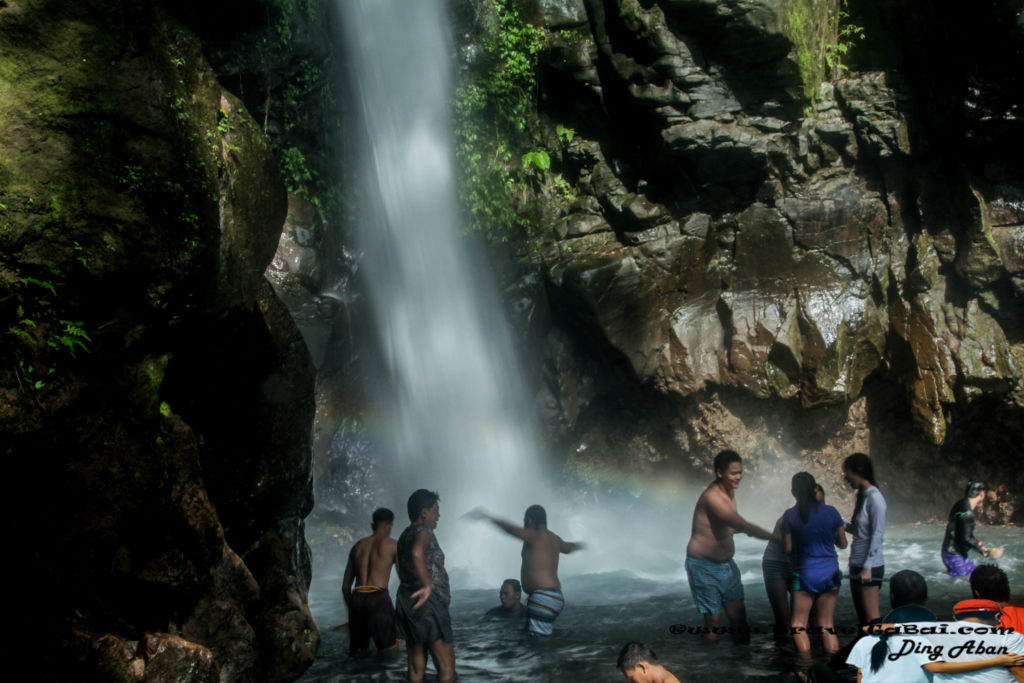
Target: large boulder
[140,206]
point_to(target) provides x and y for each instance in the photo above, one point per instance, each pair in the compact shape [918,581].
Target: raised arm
[725,513]
[566,547]
[509,528]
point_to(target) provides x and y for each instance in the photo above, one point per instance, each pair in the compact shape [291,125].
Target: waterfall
[449,397]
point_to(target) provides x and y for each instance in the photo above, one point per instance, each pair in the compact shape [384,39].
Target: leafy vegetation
[301,107]
[37,327]
[822,36]
[494,116]
[847,35]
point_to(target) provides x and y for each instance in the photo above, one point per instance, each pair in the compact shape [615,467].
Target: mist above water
[451,413]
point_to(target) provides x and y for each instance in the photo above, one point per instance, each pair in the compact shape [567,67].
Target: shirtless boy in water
[713,575]
[370,611]
[539,573]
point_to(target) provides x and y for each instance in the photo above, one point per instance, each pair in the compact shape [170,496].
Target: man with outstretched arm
[370,612]
[539,573]
[713,575]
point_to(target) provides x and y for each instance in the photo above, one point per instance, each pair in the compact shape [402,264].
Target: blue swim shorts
[713,583]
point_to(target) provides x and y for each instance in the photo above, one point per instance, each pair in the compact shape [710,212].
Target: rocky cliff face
[737,267]
[156,397]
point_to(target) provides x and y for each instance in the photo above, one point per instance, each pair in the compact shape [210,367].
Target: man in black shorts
[370,612]
[424,593]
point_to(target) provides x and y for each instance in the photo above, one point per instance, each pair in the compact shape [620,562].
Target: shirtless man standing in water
[539,573]
[370,611]
[713,575]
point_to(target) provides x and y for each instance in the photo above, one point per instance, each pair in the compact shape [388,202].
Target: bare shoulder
[702,500]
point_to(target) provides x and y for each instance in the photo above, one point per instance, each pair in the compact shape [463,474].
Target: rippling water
[605,610]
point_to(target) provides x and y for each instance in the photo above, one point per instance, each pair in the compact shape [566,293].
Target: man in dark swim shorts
[424,593]
[370,612]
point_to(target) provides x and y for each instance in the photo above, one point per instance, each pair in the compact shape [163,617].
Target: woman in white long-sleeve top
[867,526]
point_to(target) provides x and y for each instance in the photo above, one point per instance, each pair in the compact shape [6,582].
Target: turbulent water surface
[604,610]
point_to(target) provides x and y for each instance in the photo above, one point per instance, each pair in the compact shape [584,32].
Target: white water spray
[452,404]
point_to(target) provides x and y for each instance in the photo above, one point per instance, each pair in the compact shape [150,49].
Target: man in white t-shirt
[915,647]
[976,636]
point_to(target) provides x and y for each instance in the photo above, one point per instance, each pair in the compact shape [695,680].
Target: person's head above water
[858,465]
[639,664]
[536,516]
[382,517]
[989,582]
[974,492]
[907,587]
[420,500]
[726,458]
[511,594]
[728,469]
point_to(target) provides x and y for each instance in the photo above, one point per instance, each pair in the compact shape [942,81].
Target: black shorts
[371,615]
[426,624]
[876,577]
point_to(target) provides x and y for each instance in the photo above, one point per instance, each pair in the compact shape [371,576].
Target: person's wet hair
[536,514]
[989,582]
[907,587]
[726,458]
[803,490]
[974,488]
[421,499]
[908,614]
[908,591]
[860,464]
[634,652]
[383,516]
[516,586]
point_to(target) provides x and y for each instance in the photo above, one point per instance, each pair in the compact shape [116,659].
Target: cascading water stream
[452,402]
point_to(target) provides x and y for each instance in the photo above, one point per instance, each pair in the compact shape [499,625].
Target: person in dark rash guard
[959,538]
[424,592]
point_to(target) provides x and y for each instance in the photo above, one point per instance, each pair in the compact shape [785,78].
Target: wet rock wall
[741,267]
[156,398]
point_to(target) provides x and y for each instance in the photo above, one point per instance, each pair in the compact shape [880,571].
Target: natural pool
[605,610]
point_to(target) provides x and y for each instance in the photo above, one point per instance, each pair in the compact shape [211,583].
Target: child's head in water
[639,664]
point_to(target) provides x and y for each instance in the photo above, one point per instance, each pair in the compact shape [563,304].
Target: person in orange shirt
[989,582]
